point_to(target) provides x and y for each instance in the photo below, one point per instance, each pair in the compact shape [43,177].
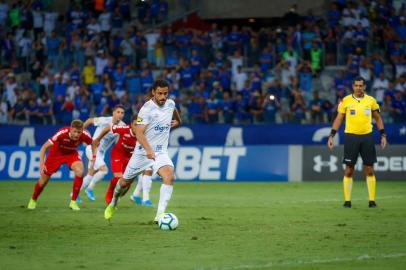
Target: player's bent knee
[125,182]
[104,169]
[168,180]
[148,172]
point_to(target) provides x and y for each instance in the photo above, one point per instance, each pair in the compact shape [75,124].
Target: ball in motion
[168,221]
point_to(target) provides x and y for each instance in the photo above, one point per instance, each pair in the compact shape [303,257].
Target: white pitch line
[305,262]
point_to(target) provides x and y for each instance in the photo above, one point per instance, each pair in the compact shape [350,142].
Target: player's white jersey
[109,138]
[158,120]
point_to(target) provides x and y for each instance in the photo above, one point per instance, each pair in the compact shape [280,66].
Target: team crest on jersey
[139,119]
[352,112]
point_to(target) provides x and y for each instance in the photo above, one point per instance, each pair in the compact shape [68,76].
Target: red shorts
[118,162]
[53,162]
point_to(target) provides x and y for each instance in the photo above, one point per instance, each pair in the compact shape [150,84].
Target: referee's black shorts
[359,144]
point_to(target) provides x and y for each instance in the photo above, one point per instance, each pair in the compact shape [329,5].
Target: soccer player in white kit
[99,170]
[155,119]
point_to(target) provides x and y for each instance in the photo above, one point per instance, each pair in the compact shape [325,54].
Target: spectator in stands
[398,107]
[227,108]
[32,112]
[386,109]
[4,8]
[89,72]
[271,107]
[212,108]
[298,107]
[316,109]
[315,58]
[18,112]
[239,78]
[242,113]
[197,110]
[379,86]
[3,110]
[328,110]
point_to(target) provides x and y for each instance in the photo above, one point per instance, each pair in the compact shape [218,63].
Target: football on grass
[168,221]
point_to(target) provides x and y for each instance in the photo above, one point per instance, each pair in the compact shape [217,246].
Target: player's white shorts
[99,158]
[139,163]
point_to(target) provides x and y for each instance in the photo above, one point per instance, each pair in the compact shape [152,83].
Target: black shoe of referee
[372,204]
[347,204]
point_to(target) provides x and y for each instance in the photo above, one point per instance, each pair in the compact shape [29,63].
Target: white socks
[146,187]
[97,177]
[86,181]
[164,197]
[138,188]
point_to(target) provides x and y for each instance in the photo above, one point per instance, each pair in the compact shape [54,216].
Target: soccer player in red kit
[63,150]
[120,153]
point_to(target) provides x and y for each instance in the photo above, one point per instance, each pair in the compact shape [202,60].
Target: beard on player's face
[160,95]
[160,100]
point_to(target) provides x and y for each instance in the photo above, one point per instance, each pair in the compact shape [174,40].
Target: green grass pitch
[223,226]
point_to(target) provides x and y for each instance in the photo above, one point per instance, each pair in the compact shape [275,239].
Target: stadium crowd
[57,67]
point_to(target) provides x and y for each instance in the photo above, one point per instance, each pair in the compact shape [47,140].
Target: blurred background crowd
[56,66]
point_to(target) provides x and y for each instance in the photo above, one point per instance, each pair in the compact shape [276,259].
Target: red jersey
[126,141]
[62,144]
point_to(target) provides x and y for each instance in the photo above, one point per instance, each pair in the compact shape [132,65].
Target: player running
[120,153]
[63,150]
[154,121]
[99,170]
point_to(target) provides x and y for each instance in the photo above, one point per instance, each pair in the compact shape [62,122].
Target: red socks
[110,190]
[77,184]
[37,191]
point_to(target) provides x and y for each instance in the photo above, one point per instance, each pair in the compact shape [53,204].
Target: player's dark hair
[77,124]
[160,84]
[133,118]
[359,78]
[119,106]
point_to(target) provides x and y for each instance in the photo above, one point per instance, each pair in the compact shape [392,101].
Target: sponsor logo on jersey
[162,129]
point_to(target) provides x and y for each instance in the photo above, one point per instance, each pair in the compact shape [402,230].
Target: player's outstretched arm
[42,152]
[176,121]
[139,133]
[379,124]
[88,122]
[336,125]
[96,141]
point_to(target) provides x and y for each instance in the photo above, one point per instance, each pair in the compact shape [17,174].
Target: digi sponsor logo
[162,129]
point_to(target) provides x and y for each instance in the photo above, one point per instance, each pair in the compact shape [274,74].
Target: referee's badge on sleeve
[367,111]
